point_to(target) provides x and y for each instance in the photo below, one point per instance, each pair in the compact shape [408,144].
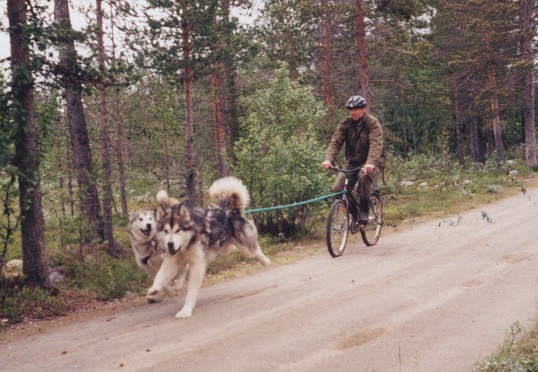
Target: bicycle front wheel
[372,230]
[337,228]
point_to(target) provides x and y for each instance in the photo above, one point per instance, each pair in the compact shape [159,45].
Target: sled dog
[193,237]
[142,231]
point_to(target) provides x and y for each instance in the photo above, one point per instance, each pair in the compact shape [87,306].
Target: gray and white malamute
[142,230]
[193,237]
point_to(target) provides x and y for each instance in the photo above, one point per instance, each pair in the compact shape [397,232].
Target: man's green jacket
[363,139]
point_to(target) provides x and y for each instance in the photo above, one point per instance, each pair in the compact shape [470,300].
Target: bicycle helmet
[356,102]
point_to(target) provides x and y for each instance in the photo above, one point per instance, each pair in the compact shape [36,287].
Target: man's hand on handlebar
[368,168]
[326,164]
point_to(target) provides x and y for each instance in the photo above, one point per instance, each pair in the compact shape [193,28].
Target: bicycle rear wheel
[337,228]
[371,232]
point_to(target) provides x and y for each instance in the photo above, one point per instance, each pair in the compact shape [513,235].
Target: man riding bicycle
[363,136]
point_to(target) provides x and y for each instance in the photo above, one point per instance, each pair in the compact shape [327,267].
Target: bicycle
[339,222]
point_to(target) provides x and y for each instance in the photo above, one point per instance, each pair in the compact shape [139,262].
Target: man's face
[356,113]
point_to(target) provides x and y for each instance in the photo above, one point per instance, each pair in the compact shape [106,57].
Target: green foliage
[72,231]
[47,111]
[152,126]
[18,302]
[9,218]
[7,129]
[286,31]
[279,153]
[417,109]
[164,46]
[405,9]
[104,276]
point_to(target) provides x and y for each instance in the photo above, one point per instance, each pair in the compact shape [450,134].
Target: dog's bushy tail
[165,200]
[230,193]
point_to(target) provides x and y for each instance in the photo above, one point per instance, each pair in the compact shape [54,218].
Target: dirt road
[436,297]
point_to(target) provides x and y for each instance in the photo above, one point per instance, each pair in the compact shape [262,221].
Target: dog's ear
[160,212]
[184,212]
[133,216]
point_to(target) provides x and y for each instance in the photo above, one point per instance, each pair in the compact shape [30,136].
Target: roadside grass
[419,189]
[518,353]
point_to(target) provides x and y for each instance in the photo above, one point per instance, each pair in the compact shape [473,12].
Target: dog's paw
[184,313]
[154,296]
[264,259]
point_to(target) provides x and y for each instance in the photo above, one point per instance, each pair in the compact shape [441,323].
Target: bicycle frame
[339,224]
[347,196]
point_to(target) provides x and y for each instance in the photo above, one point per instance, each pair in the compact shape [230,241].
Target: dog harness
[154,251]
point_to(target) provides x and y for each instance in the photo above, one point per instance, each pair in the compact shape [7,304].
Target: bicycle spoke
[371,232]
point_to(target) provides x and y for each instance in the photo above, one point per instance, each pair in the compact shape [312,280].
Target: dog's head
[176,229]
[142,223]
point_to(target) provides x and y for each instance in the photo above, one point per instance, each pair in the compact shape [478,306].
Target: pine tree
[286,29]
[26,152]
[479,43]
[112,248]
[527,27]
[70,76]
[179,38]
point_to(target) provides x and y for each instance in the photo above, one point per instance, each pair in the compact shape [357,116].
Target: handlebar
[348,171]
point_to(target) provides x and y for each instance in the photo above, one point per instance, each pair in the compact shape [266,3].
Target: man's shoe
[354,224]
[363,217]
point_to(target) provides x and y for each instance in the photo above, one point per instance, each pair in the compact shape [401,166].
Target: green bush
[106,277]
[279,155]
[18,301]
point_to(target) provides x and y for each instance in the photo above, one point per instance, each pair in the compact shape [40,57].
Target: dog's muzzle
[171,249]
[147,231]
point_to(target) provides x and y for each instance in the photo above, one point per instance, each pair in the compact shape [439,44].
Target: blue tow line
[293,204]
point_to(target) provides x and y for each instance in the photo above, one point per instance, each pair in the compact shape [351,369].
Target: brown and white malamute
[193,237]
[142,231]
